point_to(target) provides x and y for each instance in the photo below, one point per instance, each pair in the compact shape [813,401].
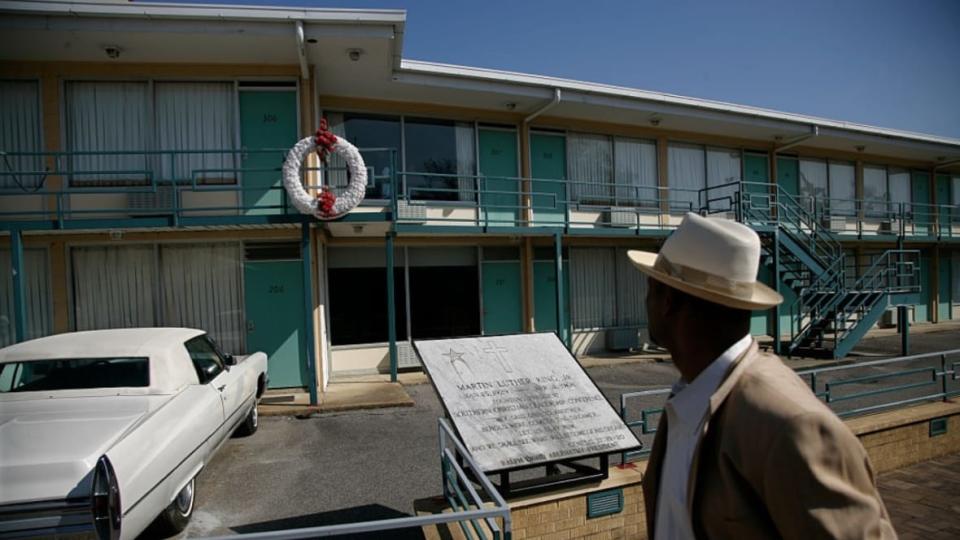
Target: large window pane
[20,132]
[813,183]
[899,180]
[196,116]
[111,120]
[687,175]
[444,301]
[635,164]
[723,169]
[590,168]
[443,150]
[114,287]
[36,274]
[842,188]
[875,190]
[378,135]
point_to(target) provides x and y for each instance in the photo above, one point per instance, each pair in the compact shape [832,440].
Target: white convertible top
[170,365]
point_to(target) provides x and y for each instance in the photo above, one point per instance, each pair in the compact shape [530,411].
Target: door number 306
[276,289]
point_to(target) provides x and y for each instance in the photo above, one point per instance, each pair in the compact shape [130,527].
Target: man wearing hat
[744,449]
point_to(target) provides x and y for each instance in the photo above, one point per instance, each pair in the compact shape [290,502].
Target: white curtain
[36,276]
[336,166]
[842,188]
[723,168]
[956,190]
[813,181]
[630,292]
[635,172]
[196,116]
[687,171]
[114,287]
[899,189]
[955,278]
[592,288]
[590,167]
[20,132]
[107,117]
[875,191]
[202,289]
[466,161]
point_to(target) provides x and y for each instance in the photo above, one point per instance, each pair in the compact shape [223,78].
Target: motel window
[616,171]
[899,182]
[36,272]
[20,133]
[444,292]
[842,180]
[875,191]
[135,132]
[357,287]
[813,183]
[605,290]
[693,168]
[446,153]
[378,137]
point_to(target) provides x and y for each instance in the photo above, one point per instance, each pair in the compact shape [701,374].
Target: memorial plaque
[522,400]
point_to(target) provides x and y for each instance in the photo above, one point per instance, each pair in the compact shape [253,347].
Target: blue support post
[558,255]
[305,253]
[19,307]
[391,309]
[776,287]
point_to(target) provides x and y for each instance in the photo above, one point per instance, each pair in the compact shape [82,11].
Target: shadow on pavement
[369,512]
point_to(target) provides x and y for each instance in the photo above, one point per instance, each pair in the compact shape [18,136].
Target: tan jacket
[774,462]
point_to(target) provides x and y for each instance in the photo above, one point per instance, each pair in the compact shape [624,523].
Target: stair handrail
[791,206]
[831,280]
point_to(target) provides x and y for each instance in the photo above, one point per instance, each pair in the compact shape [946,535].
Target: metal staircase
[830,311]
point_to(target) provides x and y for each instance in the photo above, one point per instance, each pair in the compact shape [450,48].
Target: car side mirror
[229,360]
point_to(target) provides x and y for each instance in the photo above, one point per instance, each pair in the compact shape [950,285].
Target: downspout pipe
[814,131]
[553,103]
[302,51]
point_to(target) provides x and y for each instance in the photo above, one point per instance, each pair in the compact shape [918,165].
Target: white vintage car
[103,432]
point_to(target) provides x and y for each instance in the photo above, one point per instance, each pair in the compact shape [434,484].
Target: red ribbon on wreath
[325,140]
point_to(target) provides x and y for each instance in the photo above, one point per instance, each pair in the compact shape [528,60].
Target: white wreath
[308,204]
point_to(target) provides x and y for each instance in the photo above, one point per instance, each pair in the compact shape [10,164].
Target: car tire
[250,423]
[176,516]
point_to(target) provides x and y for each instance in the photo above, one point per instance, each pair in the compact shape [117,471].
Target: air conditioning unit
[891,226]
[151,203]
[622,217]
[406,356]
[623,339]
[411,211]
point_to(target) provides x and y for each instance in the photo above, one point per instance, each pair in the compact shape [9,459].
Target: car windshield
[74,374]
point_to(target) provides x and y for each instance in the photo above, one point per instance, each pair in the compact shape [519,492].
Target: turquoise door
[759,319]
[920,204]
[545,296]
[548,167]
[944,212]
[945,300]
[788,176]
[499,186]
[756,172]
[268,119]
[502,298]
[273,292]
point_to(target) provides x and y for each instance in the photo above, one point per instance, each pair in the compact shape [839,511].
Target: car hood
[49,445]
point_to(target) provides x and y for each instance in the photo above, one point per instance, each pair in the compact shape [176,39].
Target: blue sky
[881,62]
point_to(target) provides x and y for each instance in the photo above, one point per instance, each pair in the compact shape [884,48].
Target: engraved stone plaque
[522,400]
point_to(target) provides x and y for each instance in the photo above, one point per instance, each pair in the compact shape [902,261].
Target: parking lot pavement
[366,464]
[924,499]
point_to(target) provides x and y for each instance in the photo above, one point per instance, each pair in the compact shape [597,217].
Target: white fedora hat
[711,258]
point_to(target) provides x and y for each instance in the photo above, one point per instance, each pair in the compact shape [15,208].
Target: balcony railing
[182,187]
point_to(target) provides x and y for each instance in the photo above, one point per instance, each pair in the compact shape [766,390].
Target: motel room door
[548,165]
[501,293]
[756,172]
[499,169]
[545,297]
[268,119]
[788,175]
[273,295]
[921,209]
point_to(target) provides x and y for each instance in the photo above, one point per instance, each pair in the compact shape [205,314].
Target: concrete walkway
[924,499]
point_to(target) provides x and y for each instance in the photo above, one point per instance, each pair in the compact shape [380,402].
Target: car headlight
[106,501]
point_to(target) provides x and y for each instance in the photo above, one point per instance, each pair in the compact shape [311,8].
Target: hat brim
[761,296]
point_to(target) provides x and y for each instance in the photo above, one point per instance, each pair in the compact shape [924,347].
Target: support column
[19,296]
[59,291]
[776,287]
[558,269]
[526,185]
[50,105]
[935,284]
[858,194]
[663,179]
[526,275]
[305,255]
[391,308]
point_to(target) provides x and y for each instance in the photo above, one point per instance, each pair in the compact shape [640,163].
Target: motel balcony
[222,188]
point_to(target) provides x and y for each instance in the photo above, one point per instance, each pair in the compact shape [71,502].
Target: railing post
[305,255]
[776,287]
[19,307]
[943,375]
[391,308]
[558,254]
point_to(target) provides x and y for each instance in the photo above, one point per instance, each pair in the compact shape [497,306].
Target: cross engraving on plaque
[499,354]
[456,360]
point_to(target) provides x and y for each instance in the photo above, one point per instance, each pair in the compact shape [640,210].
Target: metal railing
[849,390]
[476,516]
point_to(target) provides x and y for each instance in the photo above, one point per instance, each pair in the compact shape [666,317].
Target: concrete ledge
[338,397]
[864,425]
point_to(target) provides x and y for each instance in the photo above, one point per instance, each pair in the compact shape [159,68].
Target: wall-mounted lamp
[654,121]
[354,54]
[112,51]
[860,148]
[511,106]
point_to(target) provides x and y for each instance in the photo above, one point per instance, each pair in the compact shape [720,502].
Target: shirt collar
[691,400]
